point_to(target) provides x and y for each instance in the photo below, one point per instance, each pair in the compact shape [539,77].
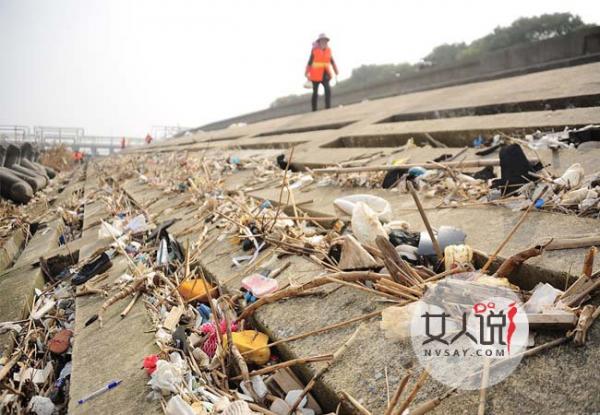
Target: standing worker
[78,156]
[318,70]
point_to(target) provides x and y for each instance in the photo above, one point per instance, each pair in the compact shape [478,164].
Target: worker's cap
[323,36]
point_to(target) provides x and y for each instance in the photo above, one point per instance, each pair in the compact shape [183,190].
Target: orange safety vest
[320,63]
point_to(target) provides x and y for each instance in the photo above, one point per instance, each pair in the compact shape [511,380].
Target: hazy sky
[119,67]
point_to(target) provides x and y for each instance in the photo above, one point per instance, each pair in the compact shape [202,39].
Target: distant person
[78,157]
[123,143]
[148,138]
[318,70]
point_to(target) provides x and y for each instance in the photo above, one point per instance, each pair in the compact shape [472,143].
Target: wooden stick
[464,163]
[413,393]
[394,292]
[187,261]
[365,289]
[444,274]
[512,263]
[287,363]
[577,298]
[527,353]
[278,271]
[397,267]
[484,385]
[436,245]
[357,405]
[409,290]
[7,367]
[433,141]
[387,385]
[321,330]
[260,409]
[425,407]
[130,305]
[572,243]
[507,238]
[217,321]
[324,369]
[317,282]
[588,262]
[397,394]
[283,184]
[587,316]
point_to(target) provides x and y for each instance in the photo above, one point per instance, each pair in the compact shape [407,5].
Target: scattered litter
[365,224]
[109,386]
[380,206]
[177,406]
[41,405]
[210,357]
[259,285]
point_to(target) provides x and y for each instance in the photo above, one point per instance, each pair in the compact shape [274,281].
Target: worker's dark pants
[315,95]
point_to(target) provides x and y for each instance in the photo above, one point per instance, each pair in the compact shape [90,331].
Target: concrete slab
[18,283]
[114,351]
[363,117]
[17,286]
[559,381]
[11,248]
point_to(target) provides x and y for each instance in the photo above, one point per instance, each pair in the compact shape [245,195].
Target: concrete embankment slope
[561,380]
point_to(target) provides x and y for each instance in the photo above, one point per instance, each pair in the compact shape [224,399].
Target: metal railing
[71,137]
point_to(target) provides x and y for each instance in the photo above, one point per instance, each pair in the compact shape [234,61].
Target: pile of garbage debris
[456,183]
[35,366]
[211,358]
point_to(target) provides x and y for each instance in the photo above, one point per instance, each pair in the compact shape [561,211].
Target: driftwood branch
[509,266]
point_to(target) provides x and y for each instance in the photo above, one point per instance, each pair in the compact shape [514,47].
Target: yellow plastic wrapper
[251,340]
[194,289]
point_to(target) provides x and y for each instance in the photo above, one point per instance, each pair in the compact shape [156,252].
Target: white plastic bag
[572,177]
[40,405]
[107,230]
[542,298]
[168,375]
[137,224]
[380,206]
[177,406]
[301,182]
[365,224]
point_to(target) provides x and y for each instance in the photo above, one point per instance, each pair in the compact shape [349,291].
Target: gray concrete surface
[116,350]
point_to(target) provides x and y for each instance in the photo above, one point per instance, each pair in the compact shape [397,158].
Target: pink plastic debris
[259,285]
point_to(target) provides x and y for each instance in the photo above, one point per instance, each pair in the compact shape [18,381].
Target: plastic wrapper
[177,406]
[380,206]
[168,375]
[40,405]
[542,298]
[366,225]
